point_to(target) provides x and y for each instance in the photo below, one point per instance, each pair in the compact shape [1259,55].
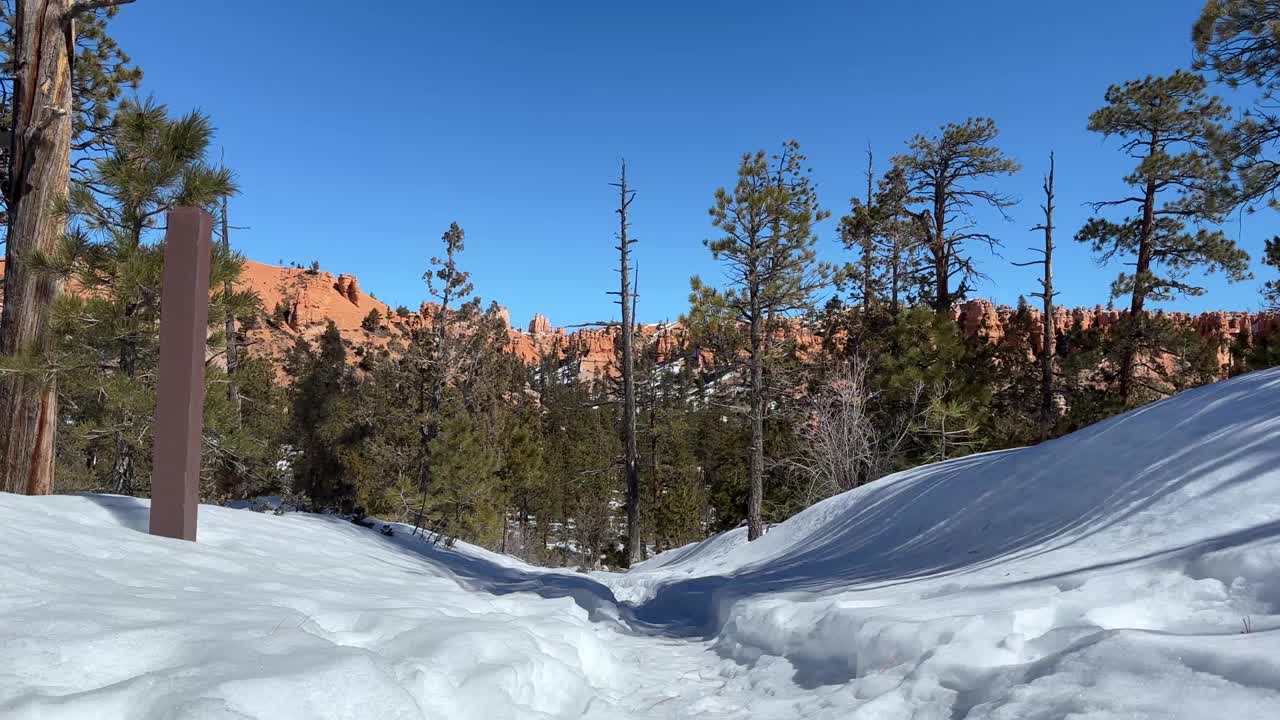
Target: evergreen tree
[244,443]
[320,420]
[769,258]
[525,482]
[435,356]
[465,499]
[384,465]
[938,377]
[581,520]
[109,333]
[942,175]
[1170,126]
[1015,374]
[858,232]
[1271,288]
[1238,41]
[886,236]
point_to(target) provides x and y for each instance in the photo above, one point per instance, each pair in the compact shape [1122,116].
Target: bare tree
[1046,294]
[846,441]
[626,298]
[233,389]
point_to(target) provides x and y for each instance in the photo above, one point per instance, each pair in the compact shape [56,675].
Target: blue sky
[359,131]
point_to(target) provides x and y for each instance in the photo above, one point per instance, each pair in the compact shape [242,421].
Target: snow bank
[270,617]
[1131,570]
[1110,573]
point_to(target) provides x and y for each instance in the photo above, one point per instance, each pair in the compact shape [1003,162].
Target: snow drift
[1131,570]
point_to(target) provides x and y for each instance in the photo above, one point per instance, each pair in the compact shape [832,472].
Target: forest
[796,376]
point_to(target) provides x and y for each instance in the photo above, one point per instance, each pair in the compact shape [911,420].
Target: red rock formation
[980,318]
[302,302]
[348,287]
[539,325]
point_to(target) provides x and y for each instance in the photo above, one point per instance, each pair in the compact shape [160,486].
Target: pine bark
[1137,321]
[41,153]
[755,496]
[941,253]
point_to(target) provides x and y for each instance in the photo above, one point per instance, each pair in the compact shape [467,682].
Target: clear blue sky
[360,130]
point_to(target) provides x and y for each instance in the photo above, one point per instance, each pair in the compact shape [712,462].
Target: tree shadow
[968,515]
[130,512]
[984,511]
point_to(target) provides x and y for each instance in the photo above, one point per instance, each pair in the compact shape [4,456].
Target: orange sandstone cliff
[300,302]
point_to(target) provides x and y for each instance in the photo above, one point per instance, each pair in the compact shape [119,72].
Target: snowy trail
[1108,574]
[244,625]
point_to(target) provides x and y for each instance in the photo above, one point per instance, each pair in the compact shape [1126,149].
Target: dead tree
[233,389]
[868,239]
[626,298]
[1046,294]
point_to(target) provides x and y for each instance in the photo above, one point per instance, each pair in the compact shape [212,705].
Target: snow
[1112,573]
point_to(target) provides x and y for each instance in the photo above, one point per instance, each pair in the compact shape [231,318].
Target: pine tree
[244,444]
[1271,288]
[768,253]
[942,173]
[524,477]
[858,231]
[319,419]
[51,111]
[579,511]
[1170,125]
[1237,40]
[109,334]
[937,377]
[435,356]
[465,499]
[1014,372]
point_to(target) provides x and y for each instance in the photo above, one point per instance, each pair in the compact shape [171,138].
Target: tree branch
[91,5]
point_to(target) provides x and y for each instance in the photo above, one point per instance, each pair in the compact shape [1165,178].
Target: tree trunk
[41,154]
[755,497]
[233,390]
[1128,362]
[868,242]
[893,273]
[941,258]
[122,468]
[655,485]
[1050,343]
[628,379]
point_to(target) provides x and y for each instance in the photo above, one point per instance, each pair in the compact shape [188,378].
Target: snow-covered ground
[1109,574]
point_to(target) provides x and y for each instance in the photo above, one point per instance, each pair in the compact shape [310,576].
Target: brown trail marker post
[184,321]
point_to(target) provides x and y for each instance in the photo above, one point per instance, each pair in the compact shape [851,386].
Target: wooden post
[184,320]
